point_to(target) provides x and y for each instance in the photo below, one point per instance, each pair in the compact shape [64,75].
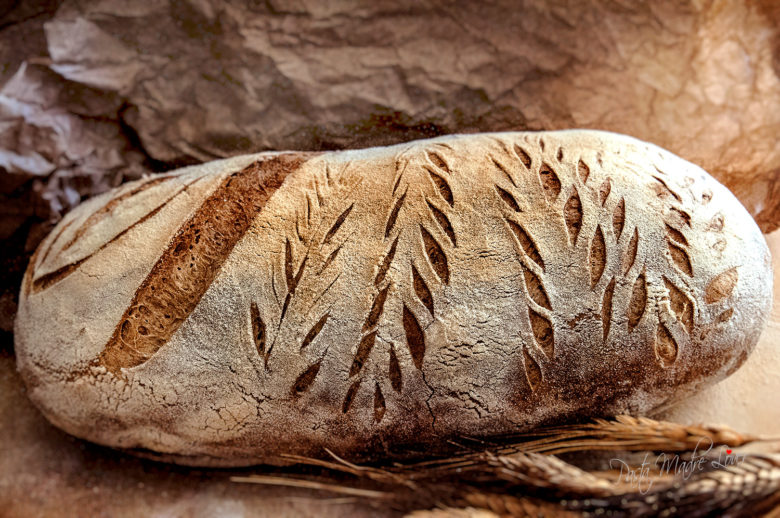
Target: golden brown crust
[386,301]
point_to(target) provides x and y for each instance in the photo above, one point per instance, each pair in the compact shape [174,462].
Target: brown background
[96,92]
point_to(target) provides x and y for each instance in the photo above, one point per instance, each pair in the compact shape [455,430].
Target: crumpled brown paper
[60,143]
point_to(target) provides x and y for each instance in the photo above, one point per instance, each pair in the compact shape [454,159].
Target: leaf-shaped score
[680,216]
[508,199]
[379,404]
[680,257]
[721,286]
[258,328]
[394,371]
[572,214]
[385,266]
[681,305]
[631,251]
[351,393]
[377,307]
[665,346]
[292,280]
[676,235]
[443,221]
[391,219]
[543,332]
[725,315]
[535,288]
[337,224]
[438,161]
[716,223]
[106,209]
[550,182]
[415,338]
[598,257]
[504,170]
[363,350]
[444,188]
[436,255]
[314,331]
[638,302]
[606,308]
[288,265]
[583,171]
[619,218]
[421,289]
[663,191]
[526,243]
[524,157]
[330,259]
[305,380]
[532,371]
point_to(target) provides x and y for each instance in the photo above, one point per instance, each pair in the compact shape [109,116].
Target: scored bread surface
[387,301]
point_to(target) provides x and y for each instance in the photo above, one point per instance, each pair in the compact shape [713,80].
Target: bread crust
[385,302]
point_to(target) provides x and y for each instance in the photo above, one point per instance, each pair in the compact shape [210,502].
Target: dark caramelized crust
[192,260]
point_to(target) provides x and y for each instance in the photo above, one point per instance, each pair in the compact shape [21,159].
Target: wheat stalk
[520,507]
[623,433]
[500,479]
[628,433]
[453,512]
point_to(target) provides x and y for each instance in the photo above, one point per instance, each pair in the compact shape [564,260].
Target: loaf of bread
[388,302]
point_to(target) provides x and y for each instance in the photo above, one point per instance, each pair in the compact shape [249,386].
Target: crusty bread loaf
[384,302]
